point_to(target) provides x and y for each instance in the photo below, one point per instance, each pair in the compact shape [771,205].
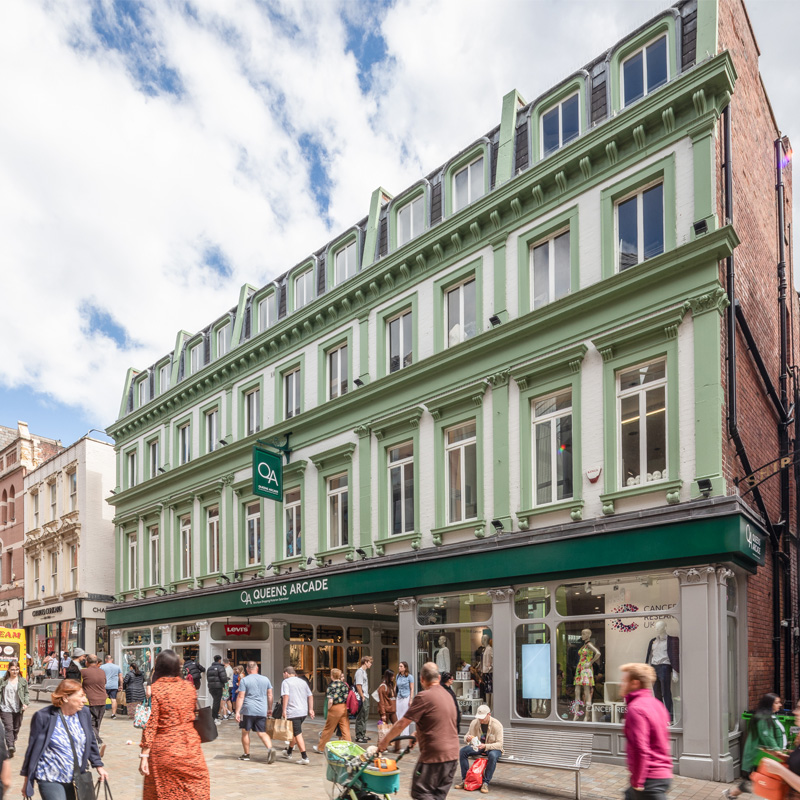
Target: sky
[157,154]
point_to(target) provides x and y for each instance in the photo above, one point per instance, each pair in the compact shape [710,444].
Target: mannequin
[584,674]
[442,655]
[487,667]
[663,654]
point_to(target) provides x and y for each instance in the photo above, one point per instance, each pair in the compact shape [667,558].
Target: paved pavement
[232,779]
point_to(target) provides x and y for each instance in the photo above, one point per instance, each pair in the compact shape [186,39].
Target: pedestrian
[216,680]
[387,702]
[253,706]
[764,732]
[238,674]
[297,703]
[432,710]
[113,673]
[228,695]
[194,669]
[5,769]
[14,699]
[336,698]
[789,772]
[55,730]
[76,663]
[94,684]
[172,761]
[404,683]
[447,682]
[52,665]
[133,684]
[646,731]
[361,682]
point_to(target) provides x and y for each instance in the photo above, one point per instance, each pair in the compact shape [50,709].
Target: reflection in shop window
[299,632]
[533,671]
[328,657]
[139,636]
[457,608]
[531,602]
[301,657]
[647,593]
[330,633]
[358,635]
[186,633]
[355,653]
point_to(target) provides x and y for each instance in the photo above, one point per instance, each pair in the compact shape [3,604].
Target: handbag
[474,779]
[106,793]
[204,724]
[142,714]
[283,730]
[767,785]
[82,781]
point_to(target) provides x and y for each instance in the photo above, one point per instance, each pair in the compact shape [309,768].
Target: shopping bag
[121,699]
[204,724]
[270,727]
[142,714]
[767,785]
[283,730]
[382,729]
[474,779]
[102,788]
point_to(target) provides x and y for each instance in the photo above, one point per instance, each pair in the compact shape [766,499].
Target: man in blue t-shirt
[113,682]
[253,706]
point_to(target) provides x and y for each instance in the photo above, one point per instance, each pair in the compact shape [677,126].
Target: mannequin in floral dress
[584,674]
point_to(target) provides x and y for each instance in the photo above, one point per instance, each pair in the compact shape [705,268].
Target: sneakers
[363,740]
[459,785]
[303,761]
[484,788]
[315,748]
[244,757]
[271,755]
[286,754]
[218,722]
[113,716]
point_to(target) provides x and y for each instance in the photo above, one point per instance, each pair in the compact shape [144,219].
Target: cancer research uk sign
[267,474]
[285,592]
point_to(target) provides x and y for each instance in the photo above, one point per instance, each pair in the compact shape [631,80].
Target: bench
[570,750]
[47,687]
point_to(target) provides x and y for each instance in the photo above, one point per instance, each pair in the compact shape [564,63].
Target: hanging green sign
[267,474]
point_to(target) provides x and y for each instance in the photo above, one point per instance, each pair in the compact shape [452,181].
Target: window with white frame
[410,220]
[400,341]
[35,503]
[461,312]
[303,289]
[196,358]
[253,528]
[212,539]
[53,573]
[337,372]
[53,501]
[461,468]
[154,457]
[642,414]
[184,443]
[73,567]
[552,448]
[291,394]
[293,517]
[560,124]
[163,378]
[186,546]
[338,512]
[644,71]
[155,555]
[133,560]
[401,488]
[72,479]
[550,269]
[468,184]
[142,389]
[38,589]
[345,263]
[267,312]
[132,469]
[252,411]
[223,340]
[212,430]
[640,226]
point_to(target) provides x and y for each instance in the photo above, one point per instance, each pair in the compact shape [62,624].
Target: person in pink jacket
[646,734]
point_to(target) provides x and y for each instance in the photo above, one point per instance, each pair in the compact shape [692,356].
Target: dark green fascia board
[500,562]
[702,92]
[238,323]
[379,197]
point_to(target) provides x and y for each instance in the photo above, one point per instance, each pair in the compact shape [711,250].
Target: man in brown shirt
[433,711]
[94,684]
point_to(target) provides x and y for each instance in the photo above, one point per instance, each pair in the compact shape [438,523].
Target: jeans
[97,712]
[654,789]
[361,719]
[467,752]
[662,688]
[50,790]
[12,721]
[216,700]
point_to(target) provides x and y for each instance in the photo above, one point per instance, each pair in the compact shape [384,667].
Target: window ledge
[478,527]
[348,550]
[574,505]
[282,564]
[671,488]
[415,537]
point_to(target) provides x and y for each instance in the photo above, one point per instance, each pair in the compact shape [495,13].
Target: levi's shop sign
[309,589]
[238,630]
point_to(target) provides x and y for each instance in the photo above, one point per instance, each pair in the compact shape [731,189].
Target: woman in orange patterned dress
[172,761]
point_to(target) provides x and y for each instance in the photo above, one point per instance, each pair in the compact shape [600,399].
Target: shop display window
[533,671]
[390,636]
[354,655]
[628,594]
[454,609]
[138,636]
[390,658]
[328,657]
[185,633]
[532,602]
[299,633]
[143,657]
[330,633]
[358,635]
[301,657]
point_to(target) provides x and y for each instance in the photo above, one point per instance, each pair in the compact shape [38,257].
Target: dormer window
[142,390]
[267,312]
[644,71]
[163,378]
[345,263]
[468,184]
[195,355]
[410,220]
[303,289]
[560,124]
[223,340]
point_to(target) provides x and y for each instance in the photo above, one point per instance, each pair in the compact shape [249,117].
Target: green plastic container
[787,720]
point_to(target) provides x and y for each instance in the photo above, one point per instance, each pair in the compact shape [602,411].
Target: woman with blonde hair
[336,698]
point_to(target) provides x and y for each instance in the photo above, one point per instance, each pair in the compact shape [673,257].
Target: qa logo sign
[267,474]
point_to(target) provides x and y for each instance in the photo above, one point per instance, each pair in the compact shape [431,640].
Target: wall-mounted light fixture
[358,382]
[495,320]
[705,486]
[362,553]
[223,442]
[700,227]
[498,526]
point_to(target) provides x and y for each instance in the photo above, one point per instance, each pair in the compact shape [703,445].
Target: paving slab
[232,779]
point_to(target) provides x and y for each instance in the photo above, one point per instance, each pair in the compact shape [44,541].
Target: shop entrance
[239,656]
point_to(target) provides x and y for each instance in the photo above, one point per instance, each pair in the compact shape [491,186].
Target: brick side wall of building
[756,259]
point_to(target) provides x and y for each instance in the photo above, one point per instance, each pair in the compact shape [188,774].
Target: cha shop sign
[238,630]
[285,592]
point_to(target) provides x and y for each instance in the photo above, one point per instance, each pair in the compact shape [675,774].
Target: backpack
[353,703]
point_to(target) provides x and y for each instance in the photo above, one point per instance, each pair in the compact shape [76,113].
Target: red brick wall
[756,259]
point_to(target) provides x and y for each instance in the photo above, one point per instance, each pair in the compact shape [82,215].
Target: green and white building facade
[499,391]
